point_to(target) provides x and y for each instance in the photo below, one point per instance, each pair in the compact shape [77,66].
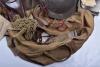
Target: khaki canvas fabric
[90,3]
[4,26]
[59,48]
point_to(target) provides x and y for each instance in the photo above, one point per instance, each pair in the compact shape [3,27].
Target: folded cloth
[4,26]
[97,7]
[93,6]
[90,3]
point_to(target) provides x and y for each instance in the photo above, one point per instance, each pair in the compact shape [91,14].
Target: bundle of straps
[64,37]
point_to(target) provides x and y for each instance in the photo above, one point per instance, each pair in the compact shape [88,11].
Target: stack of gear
[50,31]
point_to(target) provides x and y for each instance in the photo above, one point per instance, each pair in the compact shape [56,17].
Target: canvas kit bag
[63,37]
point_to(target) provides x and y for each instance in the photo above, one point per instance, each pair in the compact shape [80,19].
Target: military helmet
[60,9]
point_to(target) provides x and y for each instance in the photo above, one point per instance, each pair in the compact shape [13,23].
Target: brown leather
[28,4]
